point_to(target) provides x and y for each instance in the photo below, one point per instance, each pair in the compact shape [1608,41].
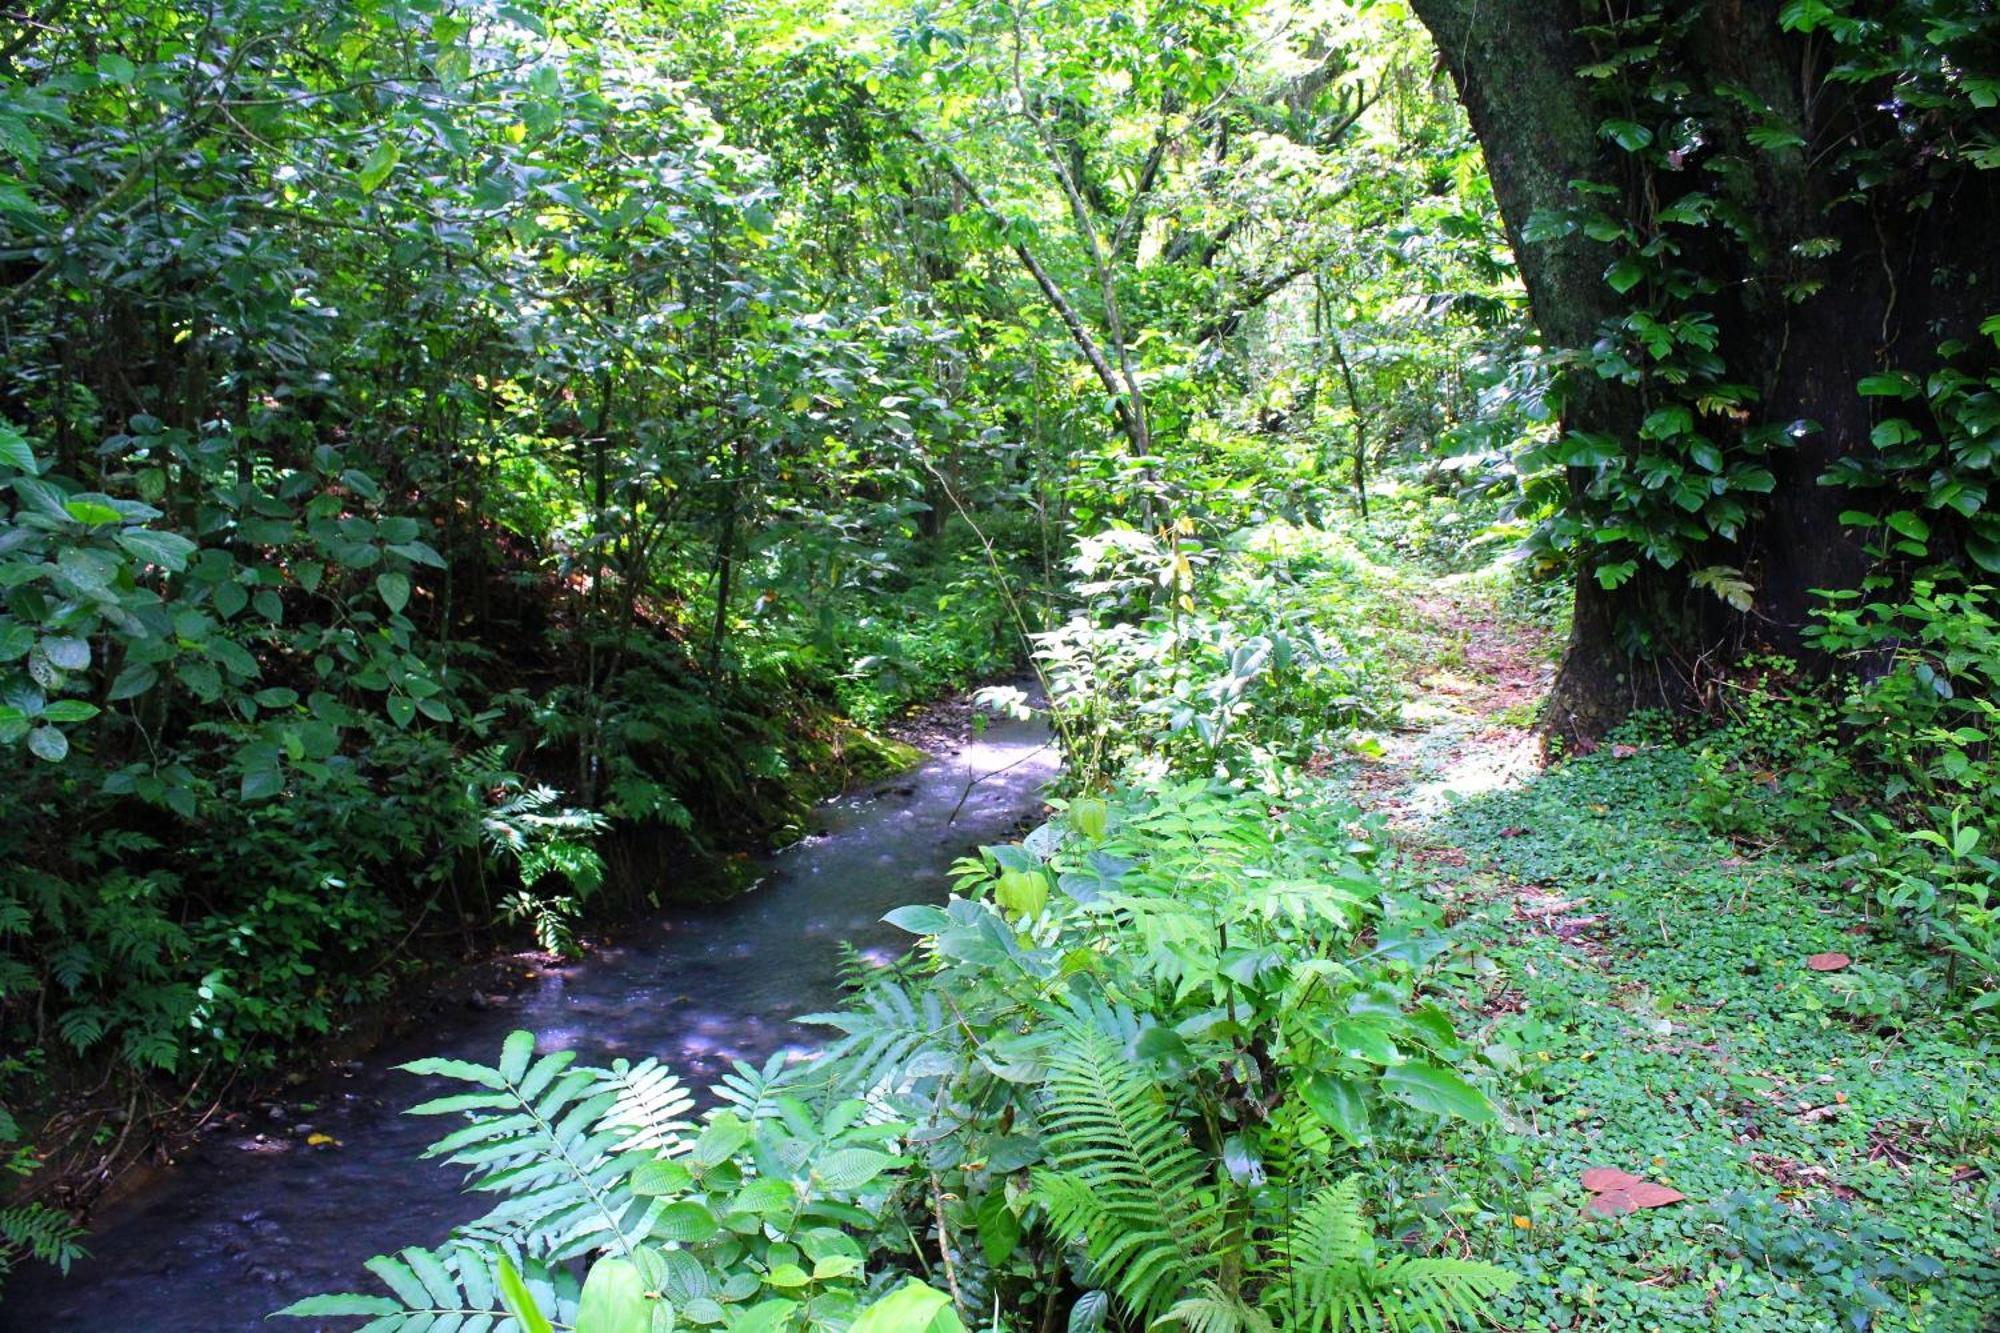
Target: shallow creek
[253,1218]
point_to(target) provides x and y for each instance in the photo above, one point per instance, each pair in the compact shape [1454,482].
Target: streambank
[258,1215]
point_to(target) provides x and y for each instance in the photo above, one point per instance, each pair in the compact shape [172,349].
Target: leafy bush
[1194,660]
[1896,777]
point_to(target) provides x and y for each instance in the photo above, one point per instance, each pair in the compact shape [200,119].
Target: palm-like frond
[1124,1181]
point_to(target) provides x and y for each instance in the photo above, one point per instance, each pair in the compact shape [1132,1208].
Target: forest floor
[1806,1150]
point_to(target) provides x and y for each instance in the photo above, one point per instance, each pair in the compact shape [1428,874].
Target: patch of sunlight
[1478,770]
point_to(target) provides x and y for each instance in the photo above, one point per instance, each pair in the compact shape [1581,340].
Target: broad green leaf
[614,1299]
[848,1169]
[912,1308]
[688,1222]
[1894,384]
[68,653]
[14,451]
[395,591]
[376,167]
[1433,1088]
[91,511]
[168,550]
[660,1177]
[49,744]
[133,681]
[1341,1105]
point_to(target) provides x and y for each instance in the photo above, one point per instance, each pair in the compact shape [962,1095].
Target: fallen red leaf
[1828,962]
[1646,1194]
[1614,1192]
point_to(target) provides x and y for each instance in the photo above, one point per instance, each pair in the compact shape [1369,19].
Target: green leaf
[652,1179]
[1894,384]
[849,1169]
[1909,524]
[1363,1041]
[912,1308]
[261,783]
[519,1301]
[395,591]
[168,550]
[1624,275]
[376,168]
[48,743]
[919,919]
[720,1141]
[133,681]
[351,1303]
[1627,134]
[1434,1088]
[67,652]
[14,451]
[69,710]
[90,511]
[1340,1105]
[515,1053]
[999,1227]
[688,1222]
[614,1299]
[402,709]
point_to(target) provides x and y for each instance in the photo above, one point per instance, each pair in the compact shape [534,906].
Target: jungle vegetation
[458,458]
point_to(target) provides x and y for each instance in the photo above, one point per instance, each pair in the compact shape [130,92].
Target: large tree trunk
[1653,640]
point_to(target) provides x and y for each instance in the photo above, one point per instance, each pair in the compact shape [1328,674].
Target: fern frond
[43,1233]
[1328,1276]
[752,1092]
[1215,1311]
[1123,1180]
[544,1136]
[650,1107]
[886,1029]
[1443,1293]
[455,1287]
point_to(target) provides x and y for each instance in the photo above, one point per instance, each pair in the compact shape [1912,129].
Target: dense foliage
[459,460]
[1148,1038]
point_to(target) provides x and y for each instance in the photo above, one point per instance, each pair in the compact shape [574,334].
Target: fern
[886,1029]
[1124,1180]
[456,1287]
[1328,1276]
[752,1092]
[560,1144]
[1216,1311]
[41,1233]
[650,1104]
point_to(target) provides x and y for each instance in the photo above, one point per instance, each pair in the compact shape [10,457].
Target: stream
[251,1218]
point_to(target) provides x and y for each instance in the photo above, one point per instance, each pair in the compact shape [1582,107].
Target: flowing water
[253,1218]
